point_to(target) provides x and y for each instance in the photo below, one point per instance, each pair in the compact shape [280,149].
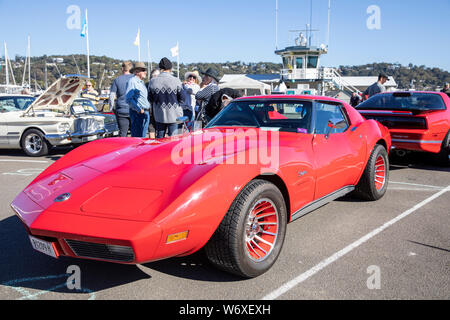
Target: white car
[55,118]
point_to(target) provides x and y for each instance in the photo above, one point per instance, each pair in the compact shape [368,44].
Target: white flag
[175,51]
[137,42]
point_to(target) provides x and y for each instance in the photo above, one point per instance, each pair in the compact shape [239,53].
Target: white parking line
[30,161]
[304,276]
[417,185]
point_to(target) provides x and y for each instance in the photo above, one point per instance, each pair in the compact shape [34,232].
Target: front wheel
[34,144]
[249,239]
[374,181]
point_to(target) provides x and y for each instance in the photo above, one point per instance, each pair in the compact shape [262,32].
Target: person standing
[136,96]
[355,99]
[446,89]
[208,87]
[117,99]
[377,87]
[166,98]
[191,87]
[90,93]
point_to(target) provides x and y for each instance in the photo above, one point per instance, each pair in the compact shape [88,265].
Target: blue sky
[411,31]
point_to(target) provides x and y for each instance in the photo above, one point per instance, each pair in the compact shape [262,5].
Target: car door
[6,103]
[338,152]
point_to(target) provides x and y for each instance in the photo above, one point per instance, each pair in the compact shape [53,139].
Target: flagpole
[150,67]
[6,65]
[178,61]
[87,46]
[139,45]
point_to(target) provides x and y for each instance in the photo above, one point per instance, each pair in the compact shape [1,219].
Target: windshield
[81,106]
[404,101]
[16,103]
[282,115]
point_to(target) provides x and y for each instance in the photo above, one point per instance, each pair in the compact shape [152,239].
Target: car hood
[60,95]
[134,182]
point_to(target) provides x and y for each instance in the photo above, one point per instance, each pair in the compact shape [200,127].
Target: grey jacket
[166,98]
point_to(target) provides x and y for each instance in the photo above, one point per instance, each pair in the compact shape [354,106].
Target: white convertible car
[55,118]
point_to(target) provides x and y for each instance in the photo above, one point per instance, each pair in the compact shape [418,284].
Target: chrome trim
[417,141]
[77,135]
[322,201]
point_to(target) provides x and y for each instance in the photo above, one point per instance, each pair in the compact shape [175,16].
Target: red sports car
[230,188]
[418,121]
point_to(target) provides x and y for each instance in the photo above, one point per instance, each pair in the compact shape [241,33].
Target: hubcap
[261,231]
[33,143]
[380,173]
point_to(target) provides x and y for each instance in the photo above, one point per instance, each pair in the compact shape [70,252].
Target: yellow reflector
[177,236]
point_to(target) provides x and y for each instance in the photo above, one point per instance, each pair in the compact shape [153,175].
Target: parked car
[417,121]
[230,188]
[37,124]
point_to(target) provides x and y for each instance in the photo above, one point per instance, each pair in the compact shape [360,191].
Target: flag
[175,51]
[137,42]
[84,28]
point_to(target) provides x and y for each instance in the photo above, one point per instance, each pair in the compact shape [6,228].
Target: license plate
[43,246]
[90,138]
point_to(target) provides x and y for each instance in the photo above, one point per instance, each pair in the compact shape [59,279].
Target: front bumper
[77,137]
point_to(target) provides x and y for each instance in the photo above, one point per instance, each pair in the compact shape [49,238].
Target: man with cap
[209,86]
[136,96]
[377,87]
[117,99]
[190,88]
[166,98]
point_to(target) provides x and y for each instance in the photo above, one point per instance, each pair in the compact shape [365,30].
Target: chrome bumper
[77,137]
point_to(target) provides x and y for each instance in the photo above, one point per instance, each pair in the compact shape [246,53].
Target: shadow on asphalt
[23,268]
[418,160]
[193,267]
[54,154]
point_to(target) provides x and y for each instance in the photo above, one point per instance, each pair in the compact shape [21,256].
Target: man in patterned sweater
[166,99]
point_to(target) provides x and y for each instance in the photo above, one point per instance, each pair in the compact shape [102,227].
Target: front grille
[101,251]
[399,122]
[85,125]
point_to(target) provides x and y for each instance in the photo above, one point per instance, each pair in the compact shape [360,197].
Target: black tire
[228,248]
[34,144]
[443,156]
[369,187]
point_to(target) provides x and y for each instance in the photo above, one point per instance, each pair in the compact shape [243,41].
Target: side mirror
[341,124]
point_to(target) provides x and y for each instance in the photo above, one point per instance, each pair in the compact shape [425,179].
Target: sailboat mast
[6,65]
[29,62]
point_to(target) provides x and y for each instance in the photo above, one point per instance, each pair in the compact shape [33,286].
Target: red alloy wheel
[261,232]
[380,173]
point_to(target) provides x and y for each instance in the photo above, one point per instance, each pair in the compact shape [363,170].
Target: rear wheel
[34,144]
[374,181]
[444,155]
[249,239]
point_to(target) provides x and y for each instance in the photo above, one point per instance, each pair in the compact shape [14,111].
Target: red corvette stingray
[231,188]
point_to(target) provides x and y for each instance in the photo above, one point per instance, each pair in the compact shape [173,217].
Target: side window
[299,61]
[329,112]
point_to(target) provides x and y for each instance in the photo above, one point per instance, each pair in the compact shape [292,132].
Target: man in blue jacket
[117,99]
[136,97]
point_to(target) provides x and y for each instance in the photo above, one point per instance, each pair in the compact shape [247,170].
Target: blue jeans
[161,129]
[139,124]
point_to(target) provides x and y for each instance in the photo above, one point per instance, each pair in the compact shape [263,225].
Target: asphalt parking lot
[395,248]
